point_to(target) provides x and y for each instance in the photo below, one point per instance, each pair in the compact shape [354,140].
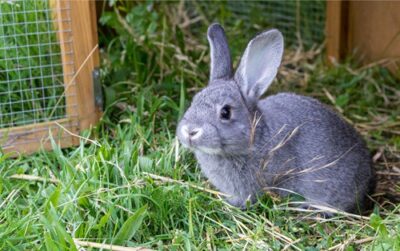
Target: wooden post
[83,42]
[336,24]
[84,34]
[63,23]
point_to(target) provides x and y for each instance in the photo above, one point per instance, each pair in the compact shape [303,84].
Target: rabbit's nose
[195,133]
[192,133]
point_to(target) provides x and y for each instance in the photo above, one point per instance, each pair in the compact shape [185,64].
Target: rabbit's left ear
[259,64]
[221,64]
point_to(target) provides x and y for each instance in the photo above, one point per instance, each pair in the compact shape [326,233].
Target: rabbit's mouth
[208,150]
[204,149]
[201,148]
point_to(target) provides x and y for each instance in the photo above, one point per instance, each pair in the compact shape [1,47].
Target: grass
[134,186]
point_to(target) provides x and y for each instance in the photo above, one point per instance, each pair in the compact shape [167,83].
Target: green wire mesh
[31,73]
[301,22]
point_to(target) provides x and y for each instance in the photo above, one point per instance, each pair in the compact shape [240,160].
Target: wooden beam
[84,35]
[336,23]
[30,138]
[85,57]
[62,16]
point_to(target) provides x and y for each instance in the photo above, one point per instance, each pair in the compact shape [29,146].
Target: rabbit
[284,144]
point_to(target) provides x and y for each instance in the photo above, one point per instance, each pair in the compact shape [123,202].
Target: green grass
[135,186]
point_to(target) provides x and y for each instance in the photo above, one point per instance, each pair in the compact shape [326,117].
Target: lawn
[134,186]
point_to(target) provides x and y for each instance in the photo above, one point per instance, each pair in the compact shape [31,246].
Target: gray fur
[221,63]
[285,143]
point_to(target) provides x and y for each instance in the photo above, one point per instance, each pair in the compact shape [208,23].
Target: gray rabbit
[283,144]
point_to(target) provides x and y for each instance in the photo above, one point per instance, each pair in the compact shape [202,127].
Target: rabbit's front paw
[240,202]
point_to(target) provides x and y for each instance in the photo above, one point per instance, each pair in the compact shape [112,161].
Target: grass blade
[130,226]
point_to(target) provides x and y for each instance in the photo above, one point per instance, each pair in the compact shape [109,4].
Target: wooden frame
[81,111]
[368,30]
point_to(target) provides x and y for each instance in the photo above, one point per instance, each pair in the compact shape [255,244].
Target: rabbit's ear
[259,64]
[221,64]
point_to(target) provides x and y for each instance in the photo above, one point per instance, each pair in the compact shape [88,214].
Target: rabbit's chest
[229,176]
[217,166]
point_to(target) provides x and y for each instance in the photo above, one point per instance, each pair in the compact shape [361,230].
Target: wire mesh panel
[31,69]
[42,43]
[302,22]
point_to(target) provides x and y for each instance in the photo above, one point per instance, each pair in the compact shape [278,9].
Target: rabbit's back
[321,156]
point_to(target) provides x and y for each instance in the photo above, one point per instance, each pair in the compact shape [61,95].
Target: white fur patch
[185,131]
[213,151]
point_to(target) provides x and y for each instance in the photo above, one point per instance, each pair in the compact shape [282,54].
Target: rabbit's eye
[225,113]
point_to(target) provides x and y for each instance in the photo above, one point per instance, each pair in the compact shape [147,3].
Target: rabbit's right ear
[221,64]
[259,64]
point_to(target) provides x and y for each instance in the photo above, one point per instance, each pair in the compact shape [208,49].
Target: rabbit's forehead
[217,95]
